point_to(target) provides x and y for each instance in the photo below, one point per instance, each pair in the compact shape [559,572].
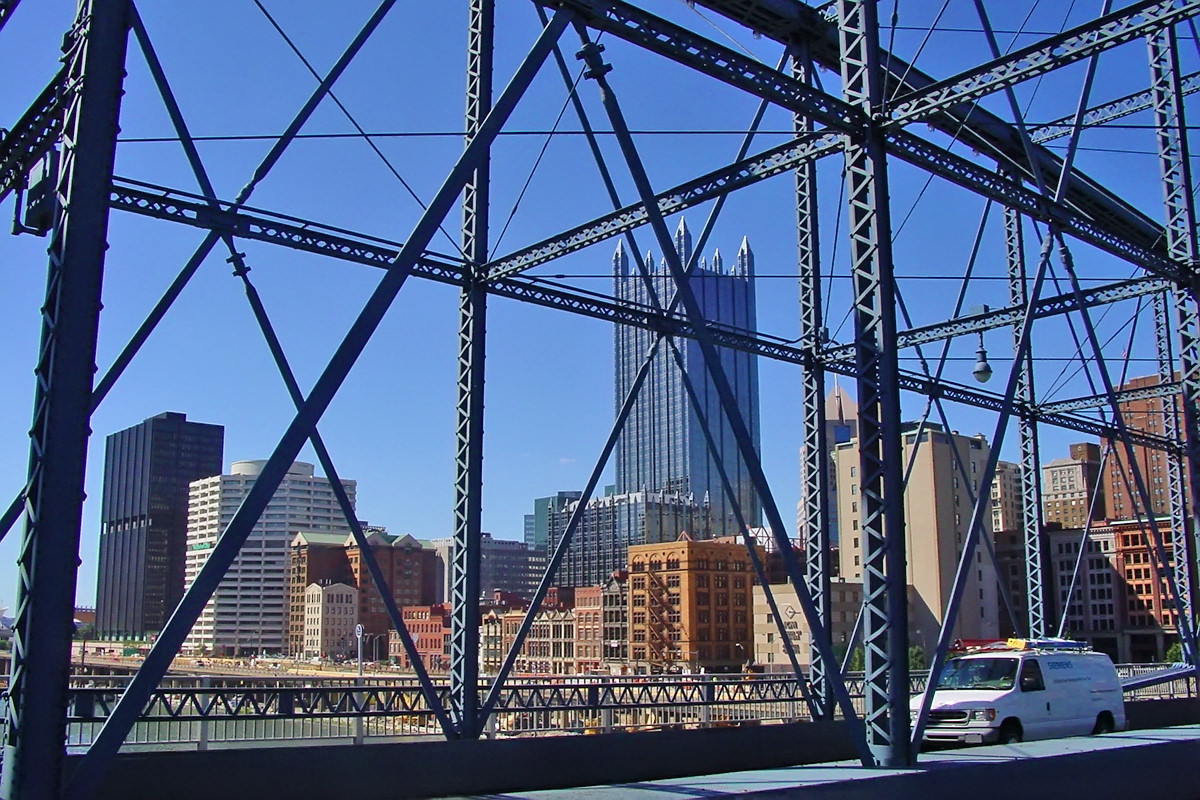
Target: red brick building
[589,629]
[409,566]
[429,627]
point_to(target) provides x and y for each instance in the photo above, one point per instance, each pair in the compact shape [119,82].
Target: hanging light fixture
[983,370]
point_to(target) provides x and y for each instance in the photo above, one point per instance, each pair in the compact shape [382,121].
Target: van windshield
[979,673]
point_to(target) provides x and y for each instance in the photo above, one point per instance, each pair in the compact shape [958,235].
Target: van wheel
[1104,724]
[1010,732]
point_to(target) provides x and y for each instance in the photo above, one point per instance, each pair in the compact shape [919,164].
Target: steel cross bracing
[1027,432]
[32,136]
[969,123]
[357,248]
[319,398]
[48,558]
[1094,217]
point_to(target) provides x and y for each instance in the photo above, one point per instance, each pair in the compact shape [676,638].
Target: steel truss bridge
[1058,222]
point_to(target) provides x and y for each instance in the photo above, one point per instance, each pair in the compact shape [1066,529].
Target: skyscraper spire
[717,263]
[620,260]
[745,260]
[683,242]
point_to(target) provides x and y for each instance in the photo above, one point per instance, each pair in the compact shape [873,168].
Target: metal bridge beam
[32,136]
[885,598]
[48,559]
[597,69]
[1036,596]
[970,123]
[1120,231]
[465,558]
[1108,112]
[359,249]
[1179,418]
[815,533]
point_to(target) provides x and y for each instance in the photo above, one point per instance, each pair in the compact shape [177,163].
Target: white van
[1024,689]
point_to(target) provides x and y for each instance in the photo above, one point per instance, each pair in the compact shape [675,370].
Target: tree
[1175,653]
[916,658]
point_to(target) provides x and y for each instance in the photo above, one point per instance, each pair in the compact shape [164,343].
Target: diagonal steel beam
[286,373]
[1107,112]
[1087,211]
[590,53]
[125,713]
[1007,317]
[1110,30]
[990,183]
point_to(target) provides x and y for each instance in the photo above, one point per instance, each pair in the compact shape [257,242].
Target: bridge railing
[216,711]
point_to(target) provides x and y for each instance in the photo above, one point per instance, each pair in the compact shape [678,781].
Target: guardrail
[188,712]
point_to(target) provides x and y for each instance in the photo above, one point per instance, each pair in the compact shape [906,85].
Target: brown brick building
[1121,495]
[409,567]
[690,606]
[429,627]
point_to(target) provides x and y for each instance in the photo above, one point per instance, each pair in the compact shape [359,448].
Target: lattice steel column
[472,342]
[49,554]
[885,607]
[1167,95]
[1031,465]
[814,454]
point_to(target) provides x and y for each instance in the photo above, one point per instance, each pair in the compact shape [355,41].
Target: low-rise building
[330,615]
[429,627]
[589,629]
[689,606]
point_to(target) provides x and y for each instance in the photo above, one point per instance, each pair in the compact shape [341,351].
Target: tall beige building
[937,513]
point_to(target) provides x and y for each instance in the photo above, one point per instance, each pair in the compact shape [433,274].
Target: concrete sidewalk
[1146,763]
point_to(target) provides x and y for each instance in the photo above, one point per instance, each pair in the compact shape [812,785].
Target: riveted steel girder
[881,484]
[47,562]
[465,556]
[815,519]
[361,249]
[975,126]
[32,136]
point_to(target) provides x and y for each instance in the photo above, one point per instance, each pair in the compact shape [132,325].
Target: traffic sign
[358,630]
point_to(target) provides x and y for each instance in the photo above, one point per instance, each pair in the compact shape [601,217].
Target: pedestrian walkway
[1146,763]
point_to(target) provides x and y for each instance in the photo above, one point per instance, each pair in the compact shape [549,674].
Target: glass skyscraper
[662,447]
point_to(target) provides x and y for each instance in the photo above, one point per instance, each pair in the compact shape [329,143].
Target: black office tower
[143,519]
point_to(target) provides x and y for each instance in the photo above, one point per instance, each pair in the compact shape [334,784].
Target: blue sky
[549,389]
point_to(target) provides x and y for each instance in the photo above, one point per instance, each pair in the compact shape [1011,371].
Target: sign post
[358,632]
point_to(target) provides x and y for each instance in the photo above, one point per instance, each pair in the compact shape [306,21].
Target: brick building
[689,606]
[589,629]
[429,627]
[409,566]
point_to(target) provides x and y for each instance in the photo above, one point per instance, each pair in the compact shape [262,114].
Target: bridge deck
[1142,763]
